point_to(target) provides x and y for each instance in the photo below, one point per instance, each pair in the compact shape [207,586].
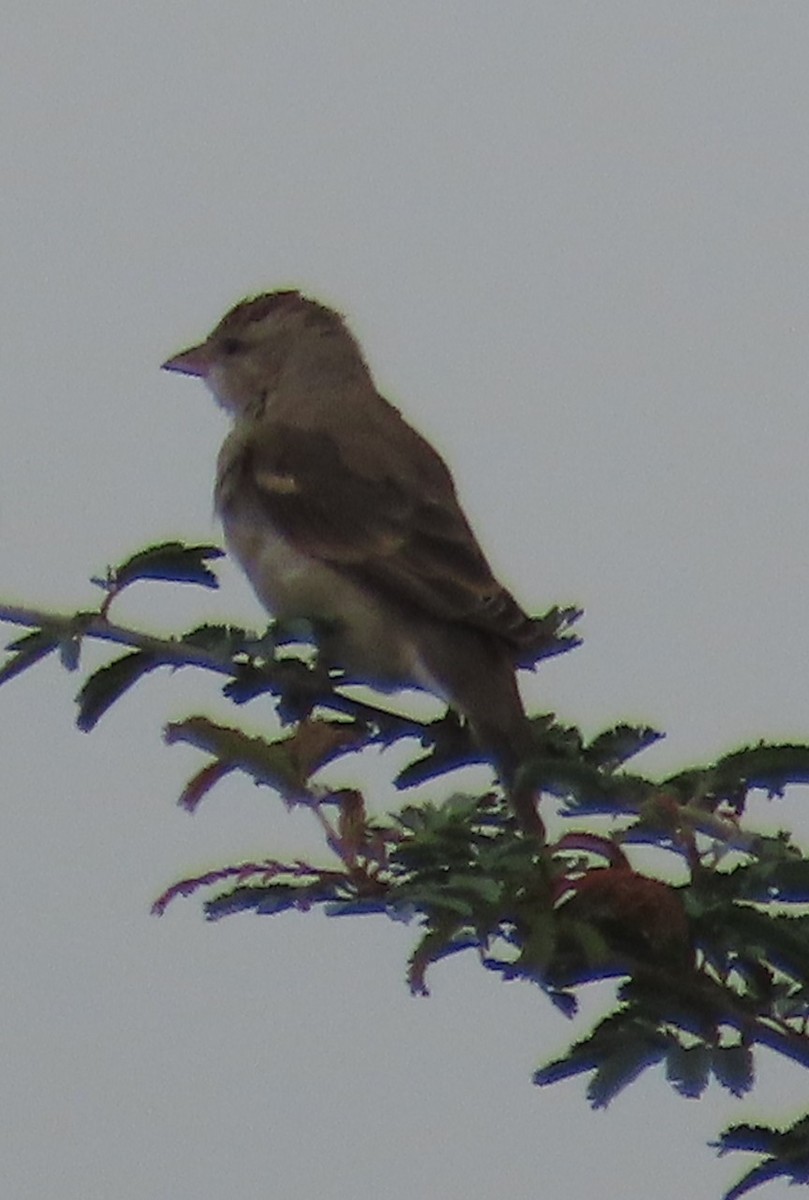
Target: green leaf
[172,561]
[585,788]
[450,747]
[770,766]
[539,944]
[787,1151]
[583,1055]
[551,636]
[787,881]
[573,1063]
[32,640]
[31,648]
[761,1139]
[477,887]
[291,679]
[619,1048]
[593,947]
[468,895]
[733,1067]
[106,685]
[688,1068]
[629,1057]
[271,898]
[359,906]
[763,1173]
[227,640]
[614,746]
[780,939]
[267,762]
[435,900]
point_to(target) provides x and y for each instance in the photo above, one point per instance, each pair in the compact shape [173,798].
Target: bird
[340,512]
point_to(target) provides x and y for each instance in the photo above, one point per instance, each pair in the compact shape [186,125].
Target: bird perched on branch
[341,513]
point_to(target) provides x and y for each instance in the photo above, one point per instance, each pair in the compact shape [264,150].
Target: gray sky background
[572,238]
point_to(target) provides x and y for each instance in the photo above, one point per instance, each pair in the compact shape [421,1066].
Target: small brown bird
[340,512]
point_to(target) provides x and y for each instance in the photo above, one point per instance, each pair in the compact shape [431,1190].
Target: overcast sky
[572,238]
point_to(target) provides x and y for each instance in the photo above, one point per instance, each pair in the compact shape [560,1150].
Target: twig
[173,652]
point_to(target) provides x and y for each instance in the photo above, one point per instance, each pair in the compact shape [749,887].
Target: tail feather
[479,678]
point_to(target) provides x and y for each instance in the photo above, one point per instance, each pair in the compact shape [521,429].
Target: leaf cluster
[706,969]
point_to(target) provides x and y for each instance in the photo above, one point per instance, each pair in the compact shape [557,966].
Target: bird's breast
[373,640]
[288,583]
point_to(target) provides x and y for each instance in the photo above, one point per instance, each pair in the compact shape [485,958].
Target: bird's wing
[389,520]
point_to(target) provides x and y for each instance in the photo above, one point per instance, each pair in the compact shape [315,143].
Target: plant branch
[171,651]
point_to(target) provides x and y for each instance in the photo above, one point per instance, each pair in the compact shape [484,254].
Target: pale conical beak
[196,360]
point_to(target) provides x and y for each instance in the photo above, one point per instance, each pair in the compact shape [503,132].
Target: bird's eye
[231,346]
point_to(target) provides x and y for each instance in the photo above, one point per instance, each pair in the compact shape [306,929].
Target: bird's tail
[479,679]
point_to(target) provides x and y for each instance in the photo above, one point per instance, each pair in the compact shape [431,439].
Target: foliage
[706,969]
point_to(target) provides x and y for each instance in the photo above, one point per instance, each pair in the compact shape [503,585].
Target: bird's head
[243,358]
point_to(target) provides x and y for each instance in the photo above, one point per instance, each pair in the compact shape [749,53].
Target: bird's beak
[196,360]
